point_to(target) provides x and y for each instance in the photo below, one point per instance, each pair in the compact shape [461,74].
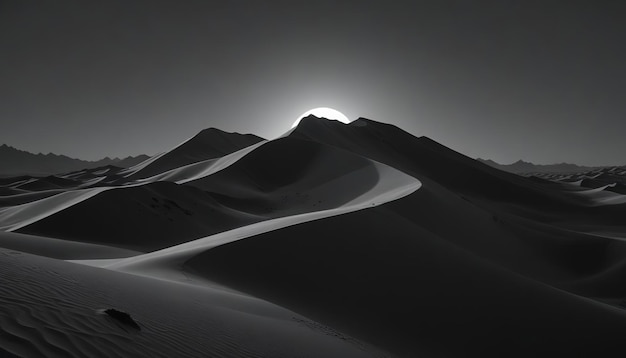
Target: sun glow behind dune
[323,112]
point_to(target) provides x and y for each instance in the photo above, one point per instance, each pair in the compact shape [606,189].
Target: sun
[323,112]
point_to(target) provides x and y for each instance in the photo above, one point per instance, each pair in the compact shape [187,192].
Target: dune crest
[165,263]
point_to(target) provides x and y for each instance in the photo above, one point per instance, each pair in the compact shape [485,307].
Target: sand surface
[333,240]
[51,308]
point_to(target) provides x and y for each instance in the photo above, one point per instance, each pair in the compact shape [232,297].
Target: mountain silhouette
[14,162]
[522,167]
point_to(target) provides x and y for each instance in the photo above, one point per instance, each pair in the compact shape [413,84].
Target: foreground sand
[50,308]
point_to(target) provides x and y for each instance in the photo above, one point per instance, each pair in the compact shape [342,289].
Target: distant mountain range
[15,162]
[521,167]
[19,162]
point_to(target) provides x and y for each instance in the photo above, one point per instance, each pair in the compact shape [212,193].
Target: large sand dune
[366,240]
[208,144]
[282,178]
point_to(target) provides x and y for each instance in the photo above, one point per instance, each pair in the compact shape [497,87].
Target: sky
[543,81]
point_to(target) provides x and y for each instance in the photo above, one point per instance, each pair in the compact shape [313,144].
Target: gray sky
[543,81]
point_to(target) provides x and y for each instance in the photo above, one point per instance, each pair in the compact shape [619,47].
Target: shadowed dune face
[408,263]
[141,218]
[12,181]
[437,165]
[208,144]
[283,177]
[386,280]
[422,157]
[289,172]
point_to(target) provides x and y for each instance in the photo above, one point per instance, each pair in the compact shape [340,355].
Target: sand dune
[50,308]
[13,181]
[327,268]
[47,183]
[4,192]
[281,178]
[30,189]
[15,217]
[144,218]
[209,144]
[13,197]
[26,210]
[602,196]
[364,238]
[166,263]
[200,169]
[60,249]
[372,269]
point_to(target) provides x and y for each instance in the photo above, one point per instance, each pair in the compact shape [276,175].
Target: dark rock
[122,317]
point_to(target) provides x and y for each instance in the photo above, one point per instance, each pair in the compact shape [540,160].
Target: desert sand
[333,240]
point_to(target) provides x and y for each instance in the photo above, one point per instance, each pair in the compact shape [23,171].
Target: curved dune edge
[201,169]
[210,143]
[165,264]
[60,249]
[16,217]
[139,166]
[600,196]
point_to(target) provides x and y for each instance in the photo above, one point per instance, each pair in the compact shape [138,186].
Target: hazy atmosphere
[542,81]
